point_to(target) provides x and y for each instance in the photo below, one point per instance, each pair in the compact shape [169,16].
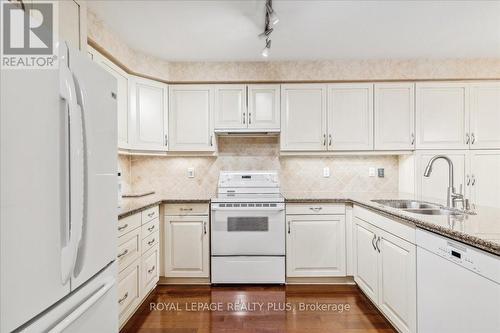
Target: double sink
[420,207]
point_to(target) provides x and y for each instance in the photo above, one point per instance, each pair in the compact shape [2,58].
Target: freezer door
[33,192]
[91,308]
[96,97]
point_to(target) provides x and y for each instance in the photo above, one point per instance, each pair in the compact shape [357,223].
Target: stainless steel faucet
[452,196]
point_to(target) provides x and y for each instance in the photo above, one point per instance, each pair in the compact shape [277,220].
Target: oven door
[248,229]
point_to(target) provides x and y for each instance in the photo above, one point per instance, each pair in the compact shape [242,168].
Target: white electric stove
[248,229]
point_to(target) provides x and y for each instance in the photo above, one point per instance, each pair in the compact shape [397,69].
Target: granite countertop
[481,230]
[132,206]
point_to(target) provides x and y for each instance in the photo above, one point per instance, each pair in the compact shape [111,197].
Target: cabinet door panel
[485,178]
[264,106]
[121,94]
[442,115]
[316,245]
[303,117]
[365,259]
[435,187]
[350,117]
[191,118]
[186,246]
[485,115]
[397,281]
[230,106]
[148,114]
[394,116]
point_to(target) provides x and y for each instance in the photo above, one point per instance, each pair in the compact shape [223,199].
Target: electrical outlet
[326,172]
[380,172]
[190,172]
[371,172]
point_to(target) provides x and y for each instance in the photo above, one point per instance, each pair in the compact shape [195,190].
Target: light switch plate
[381,172]
[326,172]
[371,172]
[190,172]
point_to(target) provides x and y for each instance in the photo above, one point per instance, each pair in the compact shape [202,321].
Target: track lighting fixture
[271,18]
[267,48]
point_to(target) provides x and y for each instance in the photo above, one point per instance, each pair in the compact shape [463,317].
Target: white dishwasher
[458,287]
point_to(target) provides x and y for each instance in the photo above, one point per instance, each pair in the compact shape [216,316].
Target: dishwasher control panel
[473,259]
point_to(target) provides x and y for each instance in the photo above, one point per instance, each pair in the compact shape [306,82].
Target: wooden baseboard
[320,280]
[173,280]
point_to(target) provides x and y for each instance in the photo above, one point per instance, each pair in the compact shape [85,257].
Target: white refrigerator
[58,166]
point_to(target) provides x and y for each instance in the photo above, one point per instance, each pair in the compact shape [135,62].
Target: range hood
[247,132]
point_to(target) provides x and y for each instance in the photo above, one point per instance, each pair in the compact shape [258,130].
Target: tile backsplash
[168,175]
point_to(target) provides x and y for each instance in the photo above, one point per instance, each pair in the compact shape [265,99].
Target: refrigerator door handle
[87,304]
[76,172]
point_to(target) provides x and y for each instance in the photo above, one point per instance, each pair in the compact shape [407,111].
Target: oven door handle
[253,209]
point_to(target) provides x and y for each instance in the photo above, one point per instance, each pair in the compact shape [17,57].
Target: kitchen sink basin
[434,211]
[408,204]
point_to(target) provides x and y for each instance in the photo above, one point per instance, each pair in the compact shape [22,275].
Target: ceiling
[226,30]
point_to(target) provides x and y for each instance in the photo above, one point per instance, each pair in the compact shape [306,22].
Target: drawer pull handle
[151,228]
[120,301]
[316,209]
[122,254]
[151,214]
[205,228]
[186,209]
[373,242]
[123,227]
[376,244]
[151,242]
[151,270]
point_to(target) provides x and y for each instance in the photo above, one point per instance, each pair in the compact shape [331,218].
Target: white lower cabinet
[186,251]
[150,270]
[138,260]
[315,243]
[129,290]
[385,269]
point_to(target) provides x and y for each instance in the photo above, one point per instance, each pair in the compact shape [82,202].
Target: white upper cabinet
[442,115]
[148,114]
[121,94]
[303,117]
[72,22]
[191,120]
[264,106]
[483,178]
[394,116]
[241,107]
[485,115]
[230,106]
[350,116]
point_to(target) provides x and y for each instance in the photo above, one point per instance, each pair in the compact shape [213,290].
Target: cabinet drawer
[128,224]
[150,214]
[129,248]
[128,290]
[150,241]
[187,209]
[150,227]
[150,269]
[315,209]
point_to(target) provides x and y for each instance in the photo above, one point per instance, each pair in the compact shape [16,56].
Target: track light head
[266,34]
[267,48]
[273,18]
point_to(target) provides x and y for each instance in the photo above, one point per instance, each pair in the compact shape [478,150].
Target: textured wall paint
[346,70]
[168,175]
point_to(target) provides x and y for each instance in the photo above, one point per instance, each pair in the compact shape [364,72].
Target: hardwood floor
[184,309]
